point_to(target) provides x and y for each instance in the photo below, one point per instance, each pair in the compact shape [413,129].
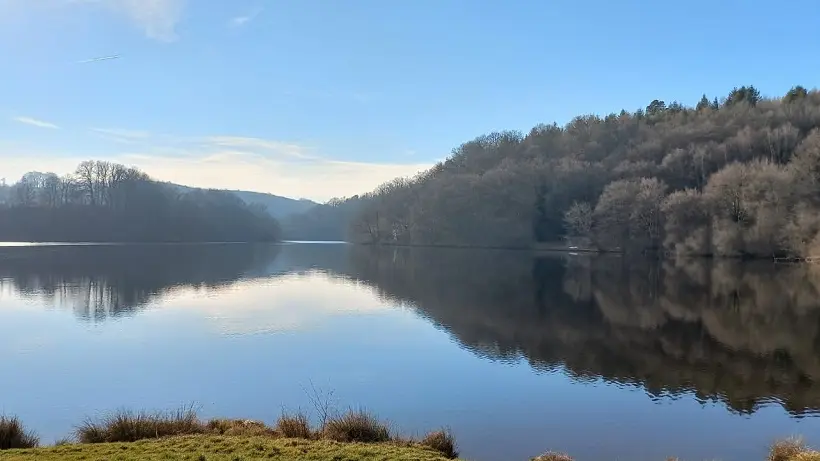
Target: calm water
[597,357]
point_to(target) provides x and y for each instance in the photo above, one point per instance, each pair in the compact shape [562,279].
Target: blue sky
[322,98]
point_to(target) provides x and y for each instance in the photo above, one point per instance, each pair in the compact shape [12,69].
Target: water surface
[600,357]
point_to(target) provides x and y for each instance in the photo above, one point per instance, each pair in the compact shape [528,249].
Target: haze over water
[602,358]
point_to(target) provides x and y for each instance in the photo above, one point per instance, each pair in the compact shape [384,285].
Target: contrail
[103,58]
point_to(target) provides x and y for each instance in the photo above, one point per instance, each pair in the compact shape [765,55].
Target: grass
[239,427]
[294,426]
[792,449]
[14,435]
[553,456]
[125,426]
[443,442]
[226,448]
[356,426]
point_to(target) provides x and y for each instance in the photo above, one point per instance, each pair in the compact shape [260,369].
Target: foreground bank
[226,448]
[245,448]
[181,435]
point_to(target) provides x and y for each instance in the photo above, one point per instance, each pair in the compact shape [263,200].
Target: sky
[329,98]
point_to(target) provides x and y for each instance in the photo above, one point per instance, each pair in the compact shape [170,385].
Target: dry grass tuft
[294,426]
[553,456]
[443,442]
[239,427]
[786,450]
[792,449]
[125,426]
[356,426]
[13,434]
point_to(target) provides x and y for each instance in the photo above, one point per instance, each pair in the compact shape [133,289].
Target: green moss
[226,448]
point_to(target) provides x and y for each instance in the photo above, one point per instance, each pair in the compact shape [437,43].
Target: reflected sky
[250,345]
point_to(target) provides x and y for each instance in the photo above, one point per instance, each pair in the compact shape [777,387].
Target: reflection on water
[741,333]
[103,281]
[557,346]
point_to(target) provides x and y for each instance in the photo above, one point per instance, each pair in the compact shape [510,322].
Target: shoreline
[536,249]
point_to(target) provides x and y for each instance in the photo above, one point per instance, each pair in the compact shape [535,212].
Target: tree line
[736,176]
[107,202]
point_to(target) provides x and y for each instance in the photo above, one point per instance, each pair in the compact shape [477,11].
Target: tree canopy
[735,176]
[108,202]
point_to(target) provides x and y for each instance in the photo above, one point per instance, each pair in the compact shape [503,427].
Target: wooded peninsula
[736,176]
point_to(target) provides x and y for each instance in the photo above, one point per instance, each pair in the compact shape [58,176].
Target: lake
[600,357]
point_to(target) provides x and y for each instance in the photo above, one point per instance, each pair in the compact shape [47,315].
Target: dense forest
[736,176]
[107,202]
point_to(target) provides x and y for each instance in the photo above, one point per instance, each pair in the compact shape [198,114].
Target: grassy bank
[124,435]
[180,435]
[226,448]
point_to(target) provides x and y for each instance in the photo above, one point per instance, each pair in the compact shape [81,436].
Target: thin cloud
[240,21]
[101,58]
[158,19]
[277,147]
[121,134]
[35,122]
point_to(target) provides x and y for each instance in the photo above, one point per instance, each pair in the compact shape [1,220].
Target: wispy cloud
[121,135]
[223,162]
[258,144]
[239,21]
[35,122]
[360,97]
[101,58]
[157,18]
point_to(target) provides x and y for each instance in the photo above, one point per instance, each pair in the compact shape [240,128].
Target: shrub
[356,426]
[442,441]
[125,426]
[14,435]
[792,449]
[238,427]
[552,456]
[294,426]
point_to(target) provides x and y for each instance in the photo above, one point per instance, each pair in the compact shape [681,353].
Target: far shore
[536,248]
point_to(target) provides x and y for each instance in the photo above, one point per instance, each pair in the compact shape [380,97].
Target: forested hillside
[106,202]
[736,176]
[328,221]
[276,206]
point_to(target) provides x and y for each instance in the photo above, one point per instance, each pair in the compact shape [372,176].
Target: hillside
[731,177]
[276,206]
[324,222]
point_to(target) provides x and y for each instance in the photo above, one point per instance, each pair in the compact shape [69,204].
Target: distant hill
[329,221]
[278,207]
